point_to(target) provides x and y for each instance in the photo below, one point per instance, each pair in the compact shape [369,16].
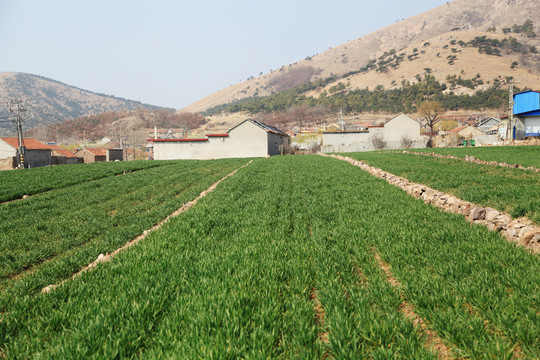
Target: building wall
[525,102]
[486,139]
[531,124]
[278,144]
[8,163]
[246,140]
[336,142]
[37,158]
[393,133]
[58,160]
[115,155]
[180,150]
[87,156]
[6,151]
[398,128]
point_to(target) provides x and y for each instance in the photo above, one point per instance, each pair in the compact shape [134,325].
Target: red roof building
[29,144]
[36,153]
[58,151]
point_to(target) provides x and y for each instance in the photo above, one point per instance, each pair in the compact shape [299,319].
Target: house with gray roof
[250,138]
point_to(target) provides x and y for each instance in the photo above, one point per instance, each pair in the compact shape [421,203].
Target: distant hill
[425,43]
[49,101]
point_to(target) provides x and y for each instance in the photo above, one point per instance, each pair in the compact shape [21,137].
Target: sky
[172,53]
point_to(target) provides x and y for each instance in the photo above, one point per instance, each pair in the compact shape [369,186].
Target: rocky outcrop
[521,231]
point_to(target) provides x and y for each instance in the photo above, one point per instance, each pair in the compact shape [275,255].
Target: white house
[399,132]
[249,138]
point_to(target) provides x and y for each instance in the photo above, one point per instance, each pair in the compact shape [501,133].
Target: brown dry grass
[468,64]
[432,26]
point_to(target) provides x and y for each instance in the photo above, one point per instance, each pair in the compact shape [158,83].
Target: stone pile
[473,160]
[521,230]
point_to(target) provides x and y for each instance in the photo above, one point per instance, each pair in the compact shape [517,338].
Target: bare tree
[430,111]
[318,113]
[127,132]
[406,142]
[378,141]
[300,114]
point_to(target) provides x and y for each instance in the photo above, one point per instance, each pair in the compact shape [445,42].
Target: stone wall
[521,230]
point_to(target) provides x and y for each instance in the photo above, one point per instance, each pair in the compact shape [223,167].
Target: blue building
[527,109]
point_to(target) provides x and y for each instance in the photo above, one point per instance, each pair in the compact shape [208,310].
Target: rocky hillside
[457,21]
[49,101]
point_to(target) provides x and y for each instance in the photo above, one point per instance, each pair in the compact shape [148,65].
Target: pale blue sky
[172,53]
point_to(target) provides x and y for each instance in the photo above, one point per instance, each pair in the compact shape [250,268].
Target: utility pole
[510,132]
[18,119]
[341,122]
[509,129]
[124,155]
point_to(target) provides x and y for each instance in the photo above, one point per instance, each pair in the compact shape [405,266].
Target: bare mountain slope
[49,101]
[460,15]
[442,56]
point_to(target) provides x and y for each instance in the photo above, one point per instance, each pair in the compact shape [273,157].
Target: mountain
[48,101]
[425,41]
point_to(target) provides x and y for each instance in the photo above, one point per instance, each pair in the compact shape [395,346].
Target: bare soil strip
[470,159]
[521,231]
[319,315]
[433,341]
[107,257]
[320,318]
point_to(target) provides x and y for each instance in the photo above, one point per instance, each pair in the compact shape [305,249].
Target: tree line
[116,124]
[379,100]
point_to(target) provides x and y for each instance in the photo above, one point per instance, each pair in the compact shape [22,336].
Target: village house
[466,132]
[468,135]
[91,155]
[249,138]
[60,156]
[489,126]
[36,154]
[397,133]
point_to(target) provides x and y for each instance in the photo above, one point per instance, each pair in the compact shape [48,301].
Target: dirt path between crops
[319,316]
[469,158]
[107,257]
[521,230]
[432,339]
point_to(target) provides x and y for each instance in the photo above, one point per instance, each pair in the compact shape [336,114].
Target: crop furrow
[471,159]
[107,257]
[278,255]
[433,341]
[29,182]
[120,213]
[526,156]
